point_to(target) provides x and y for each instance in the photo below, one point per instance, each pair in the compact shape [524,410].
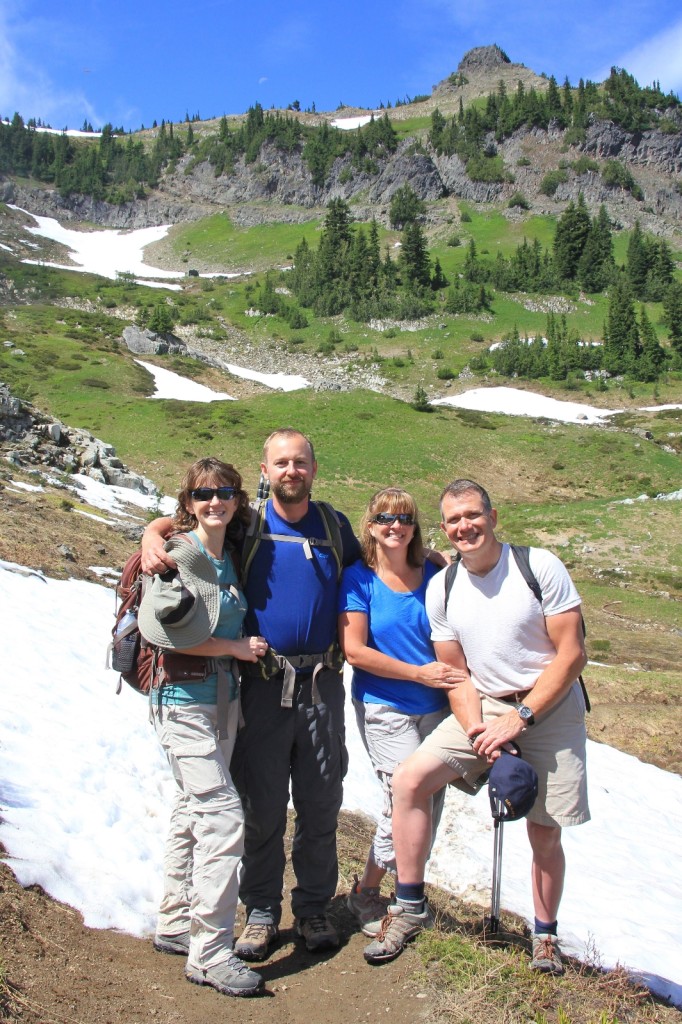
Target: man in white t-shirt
[524,659]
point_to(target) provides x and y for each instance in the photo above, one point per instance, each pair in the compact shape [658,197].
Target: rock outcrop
[30,439]
[147,343]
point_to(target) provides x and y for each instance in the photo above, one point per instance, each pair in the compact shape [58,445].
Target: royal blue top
[292,599]
[397,625]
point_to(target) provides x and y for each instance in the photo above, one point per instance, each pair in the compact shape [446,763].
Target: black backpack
[521,553]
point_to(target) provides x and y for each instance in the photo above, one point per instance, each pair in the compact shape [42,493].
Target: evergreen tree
[414,257]
[438,278]
[672,311]
[637,262]
[161,321]
[596,266]
[406,206]
[652,357]
[622,345]
[570,238]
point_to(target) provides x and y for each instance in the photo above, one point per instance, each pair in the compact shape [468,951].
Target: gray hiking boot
[397,928]
[546,954]
[369,907]
[256,939]
[231,977]
[318,932]
[178,944]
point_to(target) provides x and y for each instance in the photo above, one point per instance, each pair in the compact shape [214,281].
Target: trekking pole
[494,920]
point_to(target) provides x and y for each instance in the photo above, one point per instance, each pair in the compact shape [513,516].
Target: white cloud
[656,59]
[262,80]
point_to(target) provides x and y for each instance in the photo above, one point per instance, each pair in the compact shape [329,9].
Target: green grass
[217,240]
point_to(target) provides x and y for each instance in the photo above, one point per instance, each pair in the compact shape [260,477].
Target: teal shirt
[232,612]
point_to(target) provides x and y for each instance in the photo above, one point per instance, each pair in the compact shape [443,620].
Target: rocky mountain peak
[483,58]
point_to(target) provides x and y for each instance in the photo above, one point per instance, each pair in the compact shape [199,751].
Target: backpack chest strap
[308,542]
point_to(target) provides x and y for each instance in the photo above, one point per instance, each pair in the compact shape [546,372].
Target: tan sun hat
[180,608]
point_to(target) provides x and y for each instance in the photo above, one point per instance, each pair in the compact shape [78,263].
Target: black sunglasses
[206,493]
[387,518]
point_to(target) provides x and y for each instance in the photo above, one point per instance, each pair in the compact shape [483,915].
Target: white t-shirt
[498,620]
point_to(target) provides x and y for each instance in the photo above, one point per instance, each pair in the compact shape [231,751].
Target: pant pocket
[201,767]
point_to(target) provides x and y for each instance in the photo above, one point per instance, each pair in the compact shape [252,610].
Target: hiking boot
[368,906]
[256,939]
[231,977]
[318,932]
[172,943]
[546,954]
[397,928]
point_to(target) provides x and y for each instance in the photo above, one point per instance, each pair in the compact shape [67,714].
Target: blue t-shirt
[397,625]
[230,618]
[292,599]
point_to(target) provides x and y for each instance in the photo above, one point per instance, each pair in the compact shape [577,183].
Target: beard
[291,492]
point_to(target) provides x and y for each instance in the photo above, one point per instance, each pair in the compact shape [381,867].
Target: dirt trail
[56,970]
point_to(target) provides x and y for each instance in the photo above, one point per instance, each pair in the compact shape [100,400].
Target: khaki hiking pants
[206,836]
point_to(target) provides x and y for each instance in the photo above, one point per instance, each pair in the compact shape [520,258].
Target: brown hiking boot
[256,939]
[318,932]
[397,928]
[546,954]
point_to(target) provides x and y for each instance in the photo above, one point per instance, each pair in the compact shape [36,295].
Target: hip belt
[517,697]
[273,663]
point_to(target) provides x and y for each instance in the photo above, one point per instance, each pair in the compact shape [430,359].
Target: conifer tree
[414,257]
[570,238]
[622,345]
[652,357]
[596,265]
[672,310]
[637,262]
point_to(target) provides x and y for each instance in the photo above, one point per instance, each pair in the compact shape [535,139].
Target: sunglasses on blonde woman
[388,518]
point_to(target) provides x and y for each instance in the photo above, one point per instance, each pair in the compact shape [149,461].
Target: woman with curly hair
[399,689]
[198,611]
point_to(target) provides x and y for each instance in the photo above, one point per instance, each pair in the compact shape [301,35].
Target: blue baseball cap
[512,787]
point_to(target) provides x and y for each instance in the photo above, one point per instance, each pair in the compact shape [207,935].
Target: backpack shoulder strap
[252,536]
[332,526]
[450,574]
[521,553]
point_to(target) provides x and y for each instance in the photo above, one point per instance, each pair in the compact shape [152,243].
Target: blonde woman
[399,689]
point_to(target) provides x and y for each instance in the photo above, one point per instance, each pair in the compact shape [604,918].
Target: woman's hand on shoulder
[441,676]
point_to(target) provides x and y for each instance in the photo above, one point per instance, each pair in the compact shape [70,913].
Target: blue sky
[131,62]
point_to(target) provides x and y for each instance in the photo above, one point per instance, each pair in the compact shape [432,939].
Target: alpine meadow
[375,278]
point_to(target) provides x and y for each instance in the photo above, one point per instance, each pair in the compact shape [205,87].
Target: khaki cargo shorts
[555,746]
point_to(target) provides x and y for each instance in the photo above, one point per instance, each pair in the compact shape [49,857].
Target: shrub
[466,217]
[477,337]
[523,161]
[453,241]
[438,354]
[551,182]
[518,199]
[616,175]
[584,164]
[445,373]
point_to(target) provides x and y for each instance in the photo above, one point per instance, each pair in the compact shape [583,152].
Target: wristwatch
[526,715]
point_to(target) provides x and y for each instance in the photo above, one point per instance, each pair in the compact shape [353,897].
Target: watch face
[525,713]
